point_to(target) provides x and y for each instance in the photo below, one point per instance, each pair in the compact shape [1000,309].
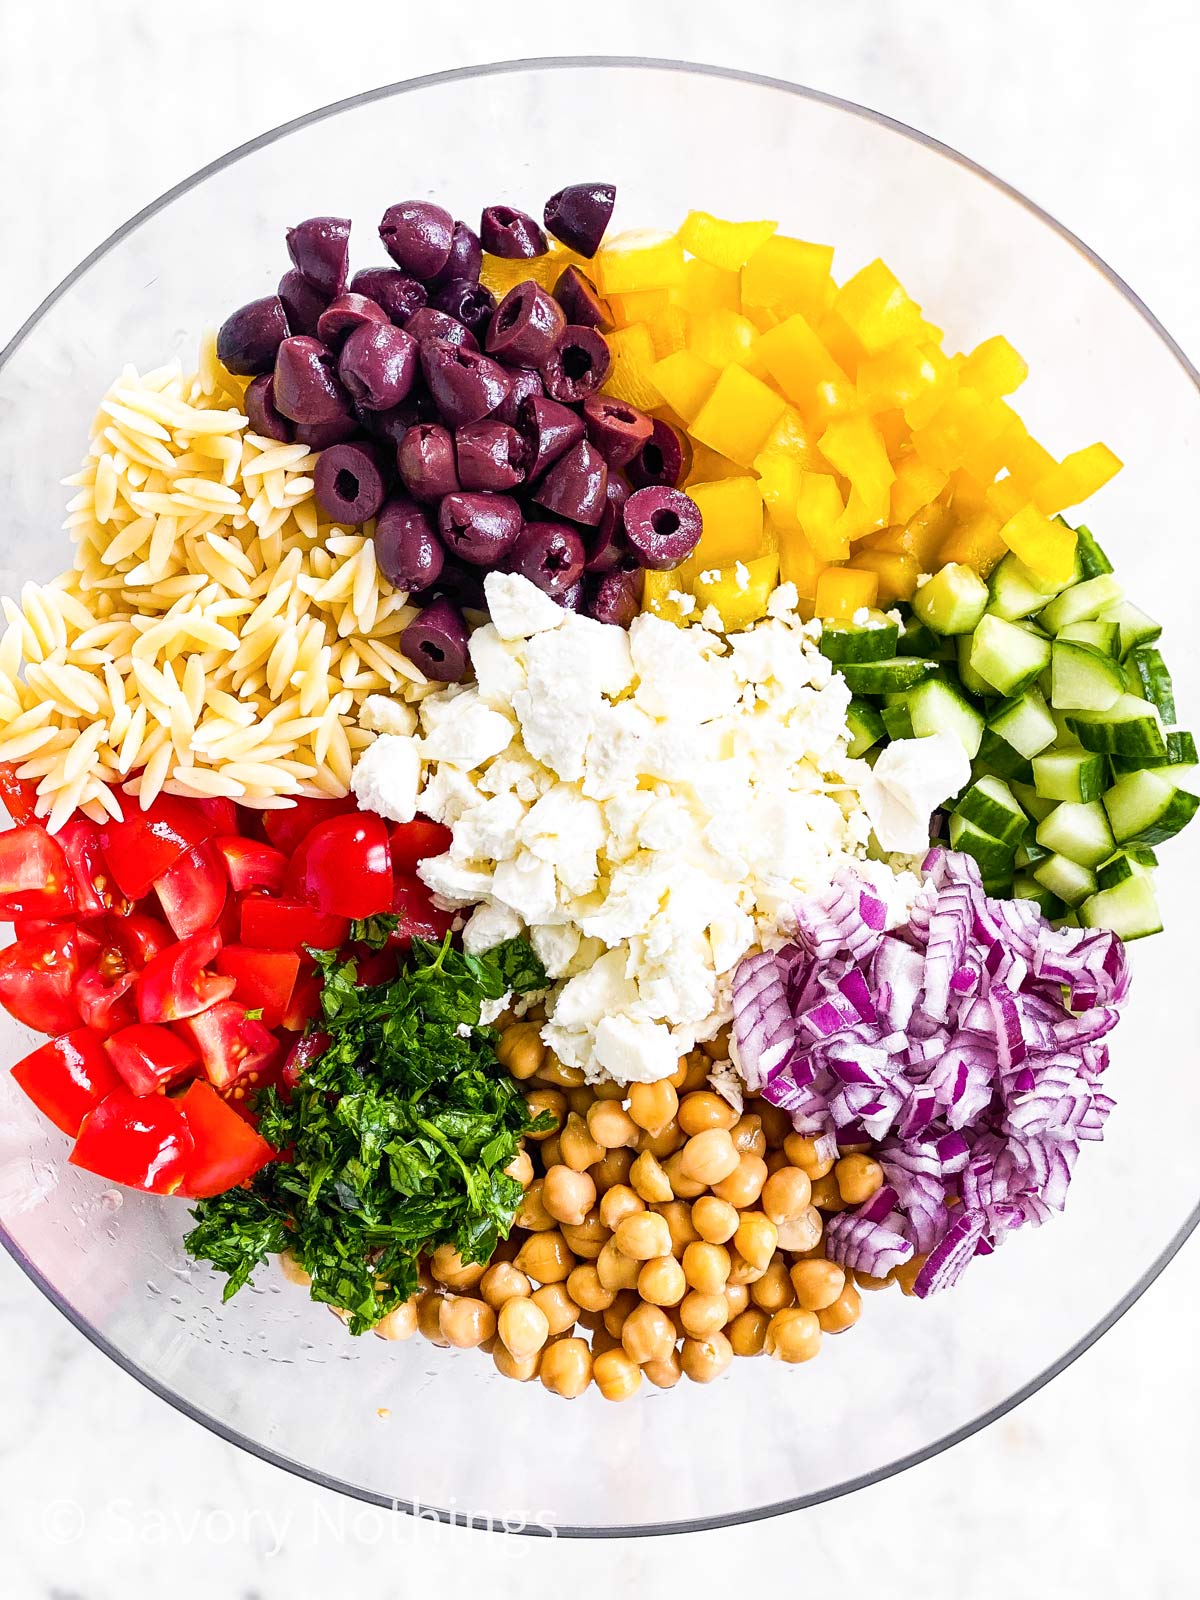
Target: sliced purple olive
[306,387]
[417,235]
[436,641]
[466,385]
[407,548]
[341,316]
[526,327]
[617,429]
[550,429]
[465,260]
[302,302]
[425,459]
[320,251]
[664,458]
[463,585]
[575,486]
[524,384]
[581,305]
[378,365]
[663,526]
[504,231]
[608,547]
[479,528]
[468,303]
[263,415]
[578,366]
[490,455]
[348,482]
[251,335]
[579,214]
[549,554]
[616,597]
[430,323]
[395,291]
[320,435]
[574,598]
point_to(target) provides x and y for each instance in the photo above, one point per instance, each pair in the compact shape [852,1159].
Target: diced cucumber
[1146,808]
[1148,676]
[1031,800]
[865,725]
[1062,733]
[1130,727]
[967,676]
[936,706]
[1066,879]
[1134,625]
[874,640]
[1069,774]
[1081,602]
[1078,831]
[1129,909]
[1104,637]
[1025,723]
[1180,752]
[997,756]
[992,807]
[918,640]
[897,721]
[1092,560]
[1029,853]
[1128,863]
[1026,887]
[1006,655]
[1016,591]
[994,857]
[887,677]
[952,601]
[1083,680]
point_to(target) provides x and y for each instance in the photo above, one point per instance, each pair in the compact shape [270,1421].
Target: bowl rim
[263,1452]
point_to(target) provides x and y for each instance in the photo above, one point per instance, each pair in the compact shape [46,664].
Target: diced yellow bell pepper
[728,245]
[762,317]
[793,435]
[966,495]
[975,543]
[841,341]
[631,376]
[740,596]
[1027,461]
[641,259]
[919,538]
[499,274]
[897,573]
[732,513]
[669,331]
[861,517]
[1004,499]
[1077,476]
[799,563]
[684,381]
[963,426]
[788,275]
[1047,548]
[704,287]
[819,510]
[917,484]
[803,368]
[738,415]
[897,377]
[874,304]
[643,305]
[779,474]
[720,337]
[853,447]
[708,467]
[657,589]
[841,591]
[993,368]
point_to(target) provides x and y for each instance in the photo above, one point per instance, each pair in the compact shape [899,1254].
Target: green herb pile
[394,1140]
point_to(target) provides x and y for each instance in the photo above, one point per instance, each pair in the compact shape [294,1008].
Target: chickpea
[520,1050]
[293,1271]
[589,1238]
[756,1238]
[702,1109]
[802,1153]
[618,1203]
[843,1313]
[643,1235]
[776,1124]
[773,1290]
[602,1340]
[579,1149]
[715,1220]
[616,1271]
[702,1314]
[560,1309]
[679,1077]
[550,1152]
[523,1327]
[665,1142]
[521,1168]
[567,1368]
[817,1283]
[579,1100]
[617,1377]
[776,1159]
[652,1105]
[586,1290]
[744,1184]
[802,1234]
[706,1267]
[398,1324]
[793,1335]
[509,1367]
[612,1168]
[826,1195]
[545,1258]
[858,1178]
[661,1281]
[449,1268]
[551,1100]
[611,1125]
[698,1068]
[705,1359]
[743,1271]
[737,1298]
[553,1072]
[870,1285]
[748,1137]
[502,1281]
[748,1332]
[663,1373]
[648,1333]
[679,1219]
[568,1195]
[608,1090]
[906,1274]
[615,1316]
[717,1048]
[648,1178]
[684,1187]
[532,1215]
[786,1195]
[465,1322]
[708,1157]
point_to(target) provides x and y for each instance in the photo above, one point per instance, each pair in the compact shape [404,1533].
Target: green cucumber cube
[1007,656]
[1069,774]
[1080,831]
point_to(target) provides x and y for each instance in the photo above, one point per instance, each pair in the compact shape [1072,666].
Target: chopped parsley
[398,1135]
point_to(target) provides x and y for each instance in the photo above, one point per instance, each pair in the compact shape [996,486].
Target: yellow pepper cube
[899,376]
[788,275]
[669,331]
[720,337]
[500,274]
[658,590]
[641,259]
[993,368]
[740,592]
[861,517]
[1047,548]
[732,513]
[841,591]
[684,381]
[920,537]
[843,344]
[779,474]
[704,287]
[631,376]
[1004,499]
[975,543]
[728,245]
[793,435]
[1078,475]
[799,563]
[709,467]
[819,509]
[802,367]
[853,447]
[738,415]
[1027,461]
[641,306]
[917,484]
[877,308]
[897,573]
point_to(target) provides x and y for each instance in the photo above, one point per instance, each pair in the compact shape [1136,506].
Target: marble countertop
[1088,1489]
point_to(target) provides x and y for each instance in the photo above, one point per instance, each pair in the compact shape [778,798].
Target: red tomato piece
[285,829]
[37,978]
[344,866]
[146,843]
[192,892]
[419,917]
[149,1056]
[35,875]
[252,865]
[19,795]
[104,997]
[222,813]
[227,1150]
[139,937]
[309,1047]
[304,1003]
[176,985]
[68,1077]
[95,892]
[263,979]
[374,967]
[290,925]
[231,1045]
[139,1140]
[413,841]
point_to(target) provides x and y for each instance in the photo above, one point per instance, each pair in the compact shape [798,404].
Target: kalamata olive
[430,323]
[616,596]
[395,291]
[251,335]
[320,435]
[574,598]
[524,384]
[618,430]
[464,261]
[575,485]
[320,251]
[306,386]
[504,231]
[348,482]
[467,302]
[407,549]
[663,525]
[425,458]
[391,425]
[608,547]
[526,327]
[341,316]
[579,214]
[490,455]
[550,429]
[378,364]
[465,384]
[582,306]
[664,458]
[436,641]
[549,554]
[264,417]
[479,528]
[302,302]
[417,235]
[577,367]
[463,585]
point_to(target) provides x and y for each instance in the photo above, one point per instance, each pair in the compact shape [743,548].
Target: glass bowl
[423,1428]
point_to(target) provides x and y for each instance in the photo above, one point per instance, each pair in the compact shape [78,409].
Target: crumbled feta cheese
[378,714]
[741,574]
[489,1010]
[473,735]
[783,601]
[861,617]
[911,778]
[518,608]
[489,925]
[634,1051]
[387,777]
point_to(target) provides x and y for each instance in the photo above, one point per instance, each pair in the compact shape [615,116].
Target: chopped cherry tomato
[304,1003]
[252,865]
[376,966]
[285,829]
[289,925]
[139,1140]
[263,979]
[146,843]
[344,866]
[192,892]
[35,875]
[68,1077]
[18,794]
[95,892]
[140,938]
[309,1047]
[222,813]
[37,979]
[231,1045]
[104,995]
[419,917]
[176,984]
[149,1056]
[227,1151]
[413,841]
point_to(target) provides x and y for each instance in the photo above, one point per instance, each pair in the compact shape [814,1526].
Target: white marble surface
[1088,1489]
